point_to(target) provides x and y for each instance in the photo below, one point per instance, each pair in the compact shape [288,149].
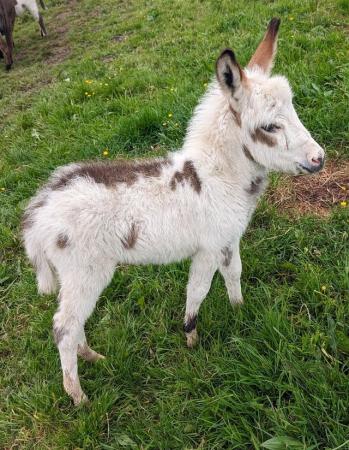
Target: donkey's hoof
[235,302]
[86,353]
[81,399]
[192,338]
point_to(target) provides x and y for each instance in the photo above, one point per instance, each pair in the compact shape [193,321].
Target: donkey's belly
[160,246]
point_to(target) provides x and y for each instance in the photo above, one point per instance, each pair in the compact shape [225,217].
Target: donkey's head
[271,132]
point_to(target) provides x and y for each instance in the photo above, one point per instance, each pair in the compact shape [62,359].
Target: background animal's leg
[42,26]
[77,299]
[202,269]
[230,267]
[34,11]
[9,42]
[3,50]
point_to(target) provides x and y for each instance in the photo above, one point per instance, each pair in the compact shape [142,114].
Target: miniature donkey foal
[195,203]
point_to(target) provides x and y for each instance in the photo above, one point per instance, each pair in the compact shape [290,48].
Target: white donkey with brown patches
[196,203]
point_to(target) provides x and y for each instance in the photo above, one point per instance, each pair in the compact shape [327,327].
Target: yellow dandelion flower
[105,152]
[343,204]
[324,288]
[3,189]
[86,93]
[170,115]
[291,18]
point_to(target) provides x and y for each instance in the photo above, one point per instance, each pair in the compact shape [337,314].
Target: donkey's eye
[270,128]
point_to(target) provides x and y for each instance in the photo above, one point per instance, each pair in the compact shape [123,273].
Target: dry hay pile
[316,194]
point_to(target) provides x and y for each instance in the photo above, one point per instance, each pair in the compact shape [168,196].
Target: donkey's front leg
[202,269]
[230,267]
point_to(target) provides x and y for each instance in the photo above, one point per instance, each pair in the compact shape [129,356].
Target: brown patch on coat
[316,194]
[236,115]
[264,55]
[58,334]
[28,219]
[260,136]
[129,241]
[255,186]
[109,174]
[228,254]
[190,324]
[62,241]
[248,153]
[188,174]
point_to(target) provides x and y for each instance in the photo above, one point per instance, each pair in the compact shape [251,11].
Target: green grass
[276,367]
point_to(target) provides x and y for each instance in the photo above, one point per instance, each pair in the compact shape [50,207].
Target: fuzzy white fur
[171,223]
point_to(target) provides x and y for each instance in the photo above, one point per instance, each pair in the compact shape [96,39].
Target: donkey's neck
[214,140]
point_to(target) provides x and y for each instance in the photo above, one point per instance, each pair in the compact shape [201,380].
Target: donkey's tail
[45,276]
[42,4]
[32,238]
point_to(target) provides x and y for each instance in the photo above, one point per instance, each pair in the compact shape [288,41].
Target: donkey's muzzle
[315,165]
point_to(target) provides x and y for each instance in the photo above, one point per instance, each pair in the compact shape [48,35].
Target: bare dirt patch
[119,37]
[58,48]
[52,49]
[315,195]
[58,54]
[108,58]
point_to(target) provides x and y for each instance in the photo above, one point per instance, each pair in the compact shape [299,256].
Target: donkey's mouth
[310,169]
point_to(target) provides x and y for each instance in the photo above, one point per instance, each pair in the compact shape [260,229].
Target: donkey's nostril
[316,164]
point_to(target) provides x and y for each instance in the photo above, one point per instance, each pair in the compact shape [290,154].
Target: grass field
[122,77]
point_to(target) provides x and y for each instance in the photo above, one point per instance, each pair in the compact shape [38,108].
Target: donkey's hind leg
[86,352]
[77,299]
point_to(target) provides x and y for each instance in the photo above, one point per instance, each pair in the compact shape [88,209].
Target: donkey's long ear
[266,50]
[229,73]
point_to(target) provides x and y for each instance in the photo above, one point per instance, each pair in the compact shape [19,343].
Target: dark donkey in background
[7,21]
